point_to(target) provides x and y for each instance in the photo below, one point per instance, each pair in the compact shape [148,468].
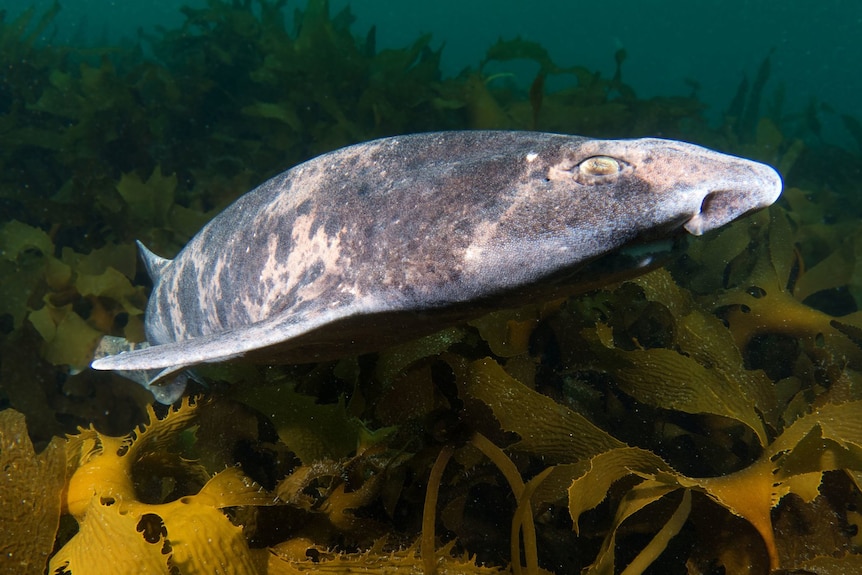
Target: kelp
[56,305]
[70,300]
[704,373]
[377,560]
[312,432]
[30,496]
[700,417]
[768,296]
[137,508]
[589,104]
[794,463]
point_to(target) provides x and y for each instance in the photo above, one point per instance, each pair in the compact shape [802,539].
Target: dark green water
[124,121]
[816,51]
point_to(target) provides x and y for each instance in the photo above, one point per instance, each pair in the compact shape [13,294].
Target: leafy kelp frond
[824,440]
[30,496]
[704,374]
[379,560]
[68,287]
[550,430]
[187,533]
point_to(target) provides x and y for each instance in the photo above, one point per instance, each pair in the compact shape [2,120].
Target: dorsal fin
[153,263]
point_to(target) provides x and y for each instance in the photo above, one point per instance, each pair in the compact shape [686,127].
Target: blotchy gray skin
[392,239]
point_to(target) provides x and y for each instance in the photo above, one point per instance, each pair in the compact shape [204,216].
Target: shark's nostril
[718,208]
[712,202]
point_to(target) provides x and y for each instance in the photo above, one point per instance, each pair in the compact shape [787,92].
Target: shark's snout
[755,190]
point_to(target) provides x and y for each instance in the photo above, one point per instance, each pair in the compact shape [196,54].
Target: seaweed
[751,116]
[30,495]
[118,529]
[743,113]
[704,415]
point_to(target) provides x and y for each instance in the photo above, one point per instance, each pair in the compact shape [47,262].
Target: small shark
[392,239]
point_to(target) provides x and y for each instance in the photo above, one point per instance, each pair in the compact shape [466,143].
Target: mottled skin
[394,238]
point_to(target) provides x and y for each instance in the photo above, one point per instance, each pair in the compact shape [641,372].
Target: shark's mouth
[645,254]
[628,262]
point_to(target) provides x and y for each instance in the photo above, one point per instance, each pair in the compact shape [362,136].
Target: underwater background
[705,418]
[814,45]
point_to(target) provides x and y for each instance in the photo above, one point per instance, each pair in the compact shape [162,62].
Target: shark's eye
[599,166]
